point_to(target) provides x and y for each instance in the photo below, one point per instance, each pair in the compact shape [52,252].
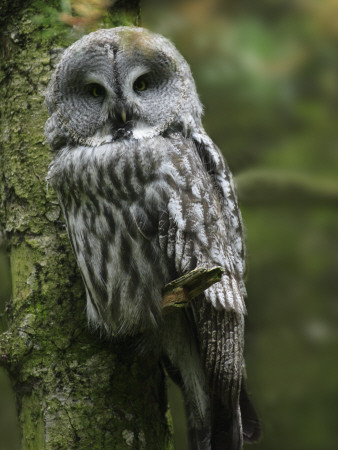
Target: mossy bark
[73,389]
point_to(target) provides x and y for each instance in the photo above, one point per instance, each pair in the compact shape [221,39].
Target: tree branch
[265,186]
[181,291]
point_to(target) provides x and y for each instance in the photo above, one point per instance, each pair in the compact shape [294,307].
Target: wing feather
[208,232]
[222,179]
[204,231]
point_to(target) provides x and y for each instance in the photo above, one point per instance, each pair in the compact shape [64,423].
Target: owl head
[120,82]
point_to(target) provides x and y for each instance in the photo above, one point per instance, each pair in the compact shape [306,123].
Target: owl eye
[96,90]
[140,84]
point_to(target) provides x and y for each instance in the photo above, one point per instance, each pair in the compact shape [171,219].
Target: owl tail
[231,425]
[250,421]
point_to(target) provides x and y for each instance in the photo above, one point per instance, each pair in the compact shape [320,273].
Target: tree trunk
[73,389]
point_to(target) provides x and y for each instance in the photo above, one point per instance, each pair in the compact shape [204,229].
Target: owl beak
[124,115]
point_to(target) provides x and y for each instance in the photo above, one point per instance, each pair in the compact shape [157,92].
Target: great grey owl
[147,197]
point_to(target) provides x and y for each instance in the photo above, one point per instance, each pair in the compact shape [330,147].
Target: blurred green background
[267,74]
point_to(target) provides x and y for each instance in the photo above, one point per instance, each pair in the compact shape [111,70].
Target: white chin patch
[142,131]
[101,137]
[97,141]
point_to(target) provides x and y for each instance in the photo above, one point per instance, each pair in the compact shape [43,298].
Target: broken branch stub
[180,292]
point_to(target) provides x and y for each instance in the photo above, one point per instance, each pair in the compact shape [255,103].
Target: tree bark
[74,390]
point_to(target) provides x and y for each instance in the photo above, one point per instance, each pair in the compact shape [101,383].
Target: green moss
[32,423]
[21,259]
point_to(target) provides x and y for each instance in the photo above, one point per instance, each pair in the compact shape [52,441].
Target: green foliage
[50,25]
[68,20]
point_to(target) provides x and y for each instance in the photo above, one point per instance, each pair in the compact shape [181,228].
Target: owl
[147,197]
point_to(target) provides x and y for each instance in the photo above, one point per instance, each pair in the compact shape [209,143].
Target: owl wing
[208,227]
[206,230]
[221,178]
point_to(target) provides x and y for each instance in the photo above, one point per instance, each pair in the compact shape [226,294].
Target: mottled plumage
[147,197]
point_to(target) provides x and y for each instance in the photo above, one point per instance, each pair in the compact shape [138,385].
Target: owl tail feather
[230,427]
[250,422]
[226,428]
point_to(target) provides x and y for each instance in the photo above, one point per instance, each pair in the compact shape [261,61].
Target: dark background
[267,73]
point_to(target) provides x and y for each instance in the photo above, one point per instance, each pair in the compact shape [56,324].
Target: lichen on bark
[73,388]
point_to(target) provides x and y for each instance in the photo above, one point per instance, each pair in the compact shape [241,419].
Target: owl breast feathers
[147,197]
